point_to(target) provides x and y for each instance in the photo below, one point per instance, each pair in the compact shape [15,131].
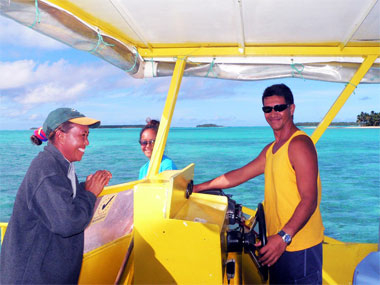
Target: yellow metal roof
[164,23]
[140,35]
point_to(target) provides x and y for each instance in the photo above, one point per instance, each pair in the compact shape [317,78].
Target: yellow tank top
[282,197]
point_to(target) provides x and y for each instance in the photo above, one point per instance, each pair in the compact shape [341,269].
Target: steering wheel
[237,239]
[257,233]
[260,221]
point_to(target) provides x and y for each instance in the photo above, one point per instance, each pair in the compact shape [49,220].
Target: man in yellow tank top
[292,194]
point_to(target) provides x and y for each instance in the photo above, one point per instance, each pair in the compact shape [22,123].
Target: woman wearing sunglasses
[147,139]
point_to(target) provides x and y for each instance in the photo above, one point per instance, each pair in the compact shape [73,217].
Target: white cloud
[13,113]
[33,117]
[16,74]
[52,92]
[28,83]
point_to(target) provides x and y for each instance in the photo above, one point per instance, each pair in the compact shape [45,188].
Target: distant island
[364,119]
[337,124]
[120,126]
[114,127]
[208,126]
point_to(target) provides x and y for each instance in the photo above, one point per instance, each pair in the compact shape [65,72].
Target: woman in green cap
[45,235]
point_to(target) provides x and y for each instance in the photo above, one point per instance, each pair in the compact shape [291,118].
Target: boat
[156,230]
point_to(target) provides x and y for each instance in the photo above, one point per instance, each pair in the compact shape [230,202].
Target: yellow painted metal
[274,50]
[166,118]
[178,252]
[340,261]
[202,208]
[249,273]
[341,100]
[169,249]
[118,188]
[176,203]
[248,211]
[3,228]
[128,274]
[237,278]
[331,240]
[101,266]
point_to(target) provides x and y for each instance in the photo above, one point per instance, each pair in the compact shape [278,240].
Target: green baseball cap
[61,115]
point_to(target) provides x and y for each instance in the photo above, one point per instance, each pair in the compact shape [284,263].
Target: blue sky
[39,74]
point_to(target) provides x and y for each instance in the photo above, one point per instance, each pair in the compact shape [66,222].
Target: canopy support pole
[166,118]
[344,95]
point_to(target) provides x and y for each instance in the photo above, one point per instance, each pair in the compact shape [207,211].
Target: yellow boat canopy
[230,39]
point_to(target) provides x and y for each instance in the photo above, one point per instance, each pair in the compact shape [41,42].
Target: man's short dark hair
[279,90]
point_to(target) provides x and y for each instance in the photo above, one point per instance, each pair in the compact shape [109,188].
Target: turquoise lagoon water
[349,162]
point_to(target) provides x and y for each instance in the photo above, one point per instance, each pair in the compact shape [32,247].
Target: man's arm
[303,157]
[237,176]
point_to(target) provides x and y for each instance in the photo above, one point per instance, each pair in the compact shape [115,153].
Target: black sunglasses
[277,108]
[144,143]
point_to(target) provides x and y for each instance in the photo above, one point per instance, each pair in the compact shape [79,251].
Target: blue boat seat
[368,270]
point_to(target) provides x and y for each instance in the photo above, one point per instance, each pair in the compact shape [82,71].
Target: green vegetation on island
[365,119]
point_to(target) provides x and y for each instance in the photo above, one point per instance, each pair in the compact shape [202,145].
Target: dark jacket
[44,239]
